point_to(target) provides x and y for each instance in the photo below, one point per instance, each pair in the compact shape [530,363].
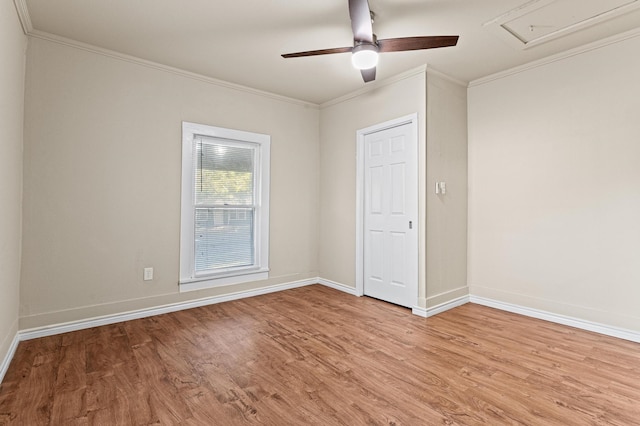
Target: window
[224,237]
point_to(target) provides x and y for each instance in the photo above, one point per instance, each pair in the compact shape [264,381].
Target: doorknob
[410,225]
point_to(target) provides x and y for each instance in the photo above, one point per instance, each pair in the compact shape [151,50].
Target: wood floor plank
[164,399]
[36,391]
[69,388]
[316,356]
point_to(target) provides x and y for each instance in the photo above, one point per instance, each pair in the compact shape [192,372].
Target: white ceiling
[241,41]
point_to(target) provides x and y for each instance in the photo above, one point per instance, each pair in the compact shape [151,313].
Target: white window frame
[189,280]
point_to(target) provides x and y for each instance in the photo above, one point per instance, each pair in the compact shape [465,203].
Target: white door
[390,243]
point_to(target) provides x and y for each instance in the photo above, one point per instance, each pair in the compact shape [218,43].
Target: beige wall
[12,47]
[554,175]
[102,182]
[446,249]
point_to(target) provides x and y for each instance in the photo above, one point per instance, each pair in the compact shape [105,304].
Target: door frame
[412,120]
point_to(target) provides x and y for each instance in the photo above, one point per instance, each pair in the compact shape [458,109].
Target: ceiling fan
[366,46]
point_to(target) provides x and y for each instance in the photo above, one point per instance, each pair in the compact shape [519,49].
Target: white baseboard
[51,330]
[337,286]
[54,329]
[434,310]
[559,319]
[4,366]
[607,330]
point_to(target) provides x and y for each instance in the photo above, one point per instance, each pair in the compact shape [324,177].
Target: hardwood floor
[314,355]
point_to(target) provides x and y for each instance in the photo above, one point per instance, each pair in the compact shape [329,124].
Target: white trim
[422,69]
[54,329]
[557,57]
[4,366]
[607,330]
[161,67]
[201,284]
[431,70]
[411,119]
[419,311]
[359,217]
[442,307]
[261,146]
[374,85]
[23,15]
[25,20]
[51,330]
[338,286]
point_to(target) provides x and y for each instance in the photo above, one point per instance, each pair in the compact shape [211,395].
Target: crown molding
[161,67]
[23,16]
[558,57]
[431,70]
[376,84]
[27,27]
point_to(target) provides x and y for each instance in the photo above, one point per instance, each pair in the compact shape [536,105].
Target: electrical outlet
[148,274]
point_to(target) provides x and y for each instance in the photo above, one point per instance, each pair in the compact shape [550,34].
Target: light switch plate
[148,274]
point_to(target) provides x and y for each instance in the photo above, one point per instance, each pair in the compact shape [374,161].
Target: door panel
[375,189]
[398,254]
[376,255]
[390,211]
[398,179]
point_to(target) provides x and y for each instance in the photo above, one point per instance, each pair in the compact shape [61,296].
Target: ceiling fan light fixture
[366,46]
[364,56]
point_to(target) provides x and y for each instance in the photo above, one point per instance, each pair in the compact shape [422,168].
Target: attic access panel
[539,21]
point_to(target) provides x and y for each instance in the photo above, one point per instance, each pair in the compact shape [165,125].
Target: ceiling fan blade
[318,52]
[416,43]
[368,75]
[360,15]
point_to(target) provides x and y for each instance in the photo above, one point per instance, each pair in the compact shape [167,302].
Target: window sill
[211,282]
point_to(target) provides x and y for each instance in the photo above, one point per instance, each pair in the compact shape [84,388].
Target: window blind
[225,205]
